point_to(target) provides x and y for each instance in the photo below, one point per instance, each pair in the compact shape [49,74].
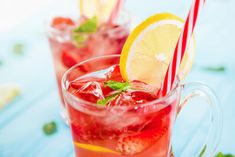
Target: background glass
[108,39]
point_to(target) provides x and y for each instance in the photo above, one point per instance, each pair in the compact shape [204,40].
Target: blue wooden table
[21,121]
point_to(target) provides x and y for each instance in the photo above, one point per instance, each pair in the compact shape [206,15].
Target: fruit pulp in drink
[132,124]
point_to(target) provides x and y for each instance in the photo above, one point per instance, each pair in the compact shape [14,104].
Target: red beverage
[112,118]
[70,47]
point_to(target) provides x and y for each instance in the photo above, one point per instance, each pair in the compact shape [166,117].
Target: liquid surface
[93,87]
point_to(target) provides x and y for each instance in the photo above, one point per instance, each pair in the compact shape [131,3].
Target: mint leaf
[215,69]
[81,34]
[49,128]
[18,49]
[220,154]
[108,99]
[203,151]
[79,39]
[120,86]
[1,62]
[88,27]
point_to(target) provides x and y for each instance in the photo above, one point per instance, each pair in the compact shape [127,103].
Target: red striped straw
[116,10]
[181,46]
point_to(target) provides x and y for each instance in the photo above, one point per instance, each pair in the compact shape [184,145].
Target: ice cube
[132,98]
[92,88]
[89,91]
[124,121]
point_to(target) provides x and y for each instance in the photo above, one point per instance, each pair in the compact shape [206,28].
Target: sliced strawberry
[69,59]
[139,142]
[62,21]
[114,74]
[141,97]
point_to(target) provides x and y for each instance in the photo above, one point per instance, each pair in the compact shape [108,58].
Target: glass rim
[156,101]
[49,29]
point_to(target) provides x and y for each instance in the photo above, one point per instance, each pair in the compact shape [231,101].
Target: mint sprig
[88,26]
[203,151]
[118,86]
[82,32]
[220,154]
[1,62]
[215,69]
[108,99]
[79,39]
[18,49]
[49,128]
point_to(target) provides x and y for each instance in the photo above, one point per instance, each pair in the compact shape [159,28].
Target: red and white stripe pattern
[181,46]
[116,11]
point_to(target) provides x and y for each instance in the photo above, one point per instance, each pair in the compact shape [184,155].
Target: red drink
[110,117]
[69,48]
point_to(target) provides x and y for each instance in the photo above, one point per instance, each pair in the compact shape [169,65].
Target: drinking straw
[116,10]
[181,47]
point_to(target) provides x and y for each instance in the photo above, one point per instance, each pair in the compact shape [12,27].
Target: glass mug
[100,132]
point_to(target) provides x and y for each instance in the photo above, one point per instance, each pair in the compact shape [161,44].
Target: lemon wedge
[150,47]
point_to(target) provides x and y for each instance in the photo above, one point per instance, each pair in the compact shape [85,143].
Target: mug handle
[196,89]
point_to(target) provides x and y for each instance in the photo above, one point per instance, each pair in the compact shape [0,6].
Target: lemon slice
[99,8]
[150,47]
[94,148]
[8,92]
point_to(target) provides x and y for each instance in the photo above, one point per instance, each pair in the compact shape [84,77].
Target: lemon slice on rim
[99,8]
[150,47]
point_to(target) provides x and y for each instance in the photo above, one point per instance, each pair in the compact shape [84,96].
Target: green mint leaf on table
[215,69]
[108,99]
[49,128]
[18,49]
[220,154]
[119,86]
[88,26]
[1,62]
[203,151]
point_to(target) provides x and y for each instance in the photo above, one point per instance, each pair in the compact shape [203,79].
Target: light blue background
[24,21]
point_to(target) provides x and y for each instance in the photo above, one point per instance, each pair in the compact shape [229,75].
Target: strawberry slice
[139,142]
[114,73]
[69,59]
[62,21]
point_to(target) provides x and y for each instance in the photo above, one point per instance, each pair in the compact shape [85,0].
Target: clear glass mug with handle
[143,131]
